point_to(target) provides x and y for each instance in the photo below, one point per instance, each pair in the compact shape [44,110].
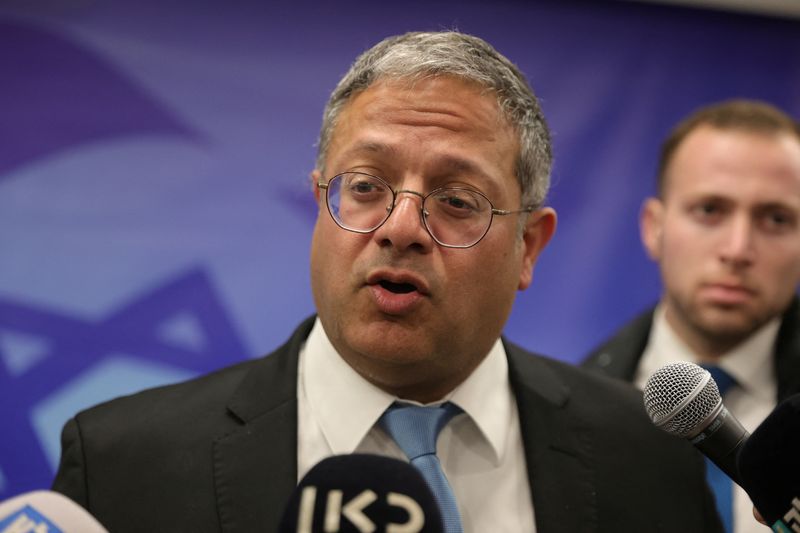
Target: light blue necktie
[721,485]
[415,430]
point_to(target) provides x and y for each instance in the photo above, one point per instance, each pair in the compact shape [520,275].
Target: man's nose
[405,229]
[738,246]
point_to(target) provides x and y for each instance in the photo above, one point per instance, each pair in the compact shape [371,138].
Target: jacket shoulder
[633,465]
[619,355]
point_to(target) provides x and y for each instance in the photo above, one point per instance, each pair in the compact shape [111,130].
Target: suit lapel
[255,466]
[620,356]
[254,479]
[558,447]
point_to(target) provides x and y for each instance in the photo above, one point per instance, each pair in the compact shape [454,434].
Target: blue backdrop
[155,212]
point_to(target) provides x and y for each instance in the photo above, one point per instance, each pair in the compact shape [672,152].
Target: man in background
[725,232]
[433,166]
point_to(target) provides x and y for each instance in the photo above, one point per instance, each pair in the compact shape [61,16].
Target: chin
[393,353]
[391,348]
[731,325]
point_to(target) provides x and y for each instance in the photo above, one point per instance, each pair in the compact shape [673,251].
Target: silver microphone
[683,400]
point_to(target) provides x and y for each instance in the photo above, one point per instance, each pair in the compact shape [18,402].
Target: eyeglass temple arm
[526,209]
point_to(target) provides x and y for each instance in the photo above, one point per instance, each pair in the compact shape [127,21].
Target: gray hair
[419,55]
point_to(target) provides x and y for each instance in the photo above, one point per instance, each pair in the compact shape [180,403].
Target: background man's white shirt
[750,401]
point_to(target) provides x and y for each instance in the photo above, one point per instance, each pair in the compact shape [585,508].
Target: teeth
[398,288]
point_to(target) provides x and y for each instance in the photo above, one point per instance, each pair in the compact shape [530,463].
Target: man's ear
[539,228]
[651,224]
[316,177]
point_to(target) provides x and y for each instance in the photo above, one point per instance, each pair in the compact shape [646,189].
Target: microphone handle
[721,442]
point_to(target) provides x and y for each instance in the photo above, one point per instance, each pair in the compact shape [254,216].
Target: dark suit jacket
[619,356]
[218,453]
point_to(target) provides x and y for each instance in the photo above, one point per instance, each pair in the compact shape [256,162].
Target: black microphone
[770,467]
[683,400]
[361,493]
[43,510]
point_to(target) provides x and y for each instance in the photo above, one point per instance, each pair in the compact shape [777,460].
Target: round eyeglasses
[455,217]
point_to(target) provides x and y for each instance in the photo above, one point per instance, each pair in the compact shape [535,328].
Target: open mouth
[398,288]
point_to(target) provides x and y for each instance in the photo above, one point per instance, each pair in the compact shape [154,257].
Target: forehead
[448,112]
[742,164]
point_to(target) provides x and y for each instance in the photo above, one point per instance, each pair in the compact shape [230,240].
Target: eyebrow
[768,206]
[370,147]
[758,205]
[447,162]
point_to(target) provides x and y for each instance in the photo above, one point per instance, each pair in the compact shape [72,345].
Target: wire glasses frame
[455,217]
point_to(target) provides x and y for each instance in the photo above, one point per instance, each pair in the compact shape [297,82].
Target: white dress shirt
[752,398]
[480,450]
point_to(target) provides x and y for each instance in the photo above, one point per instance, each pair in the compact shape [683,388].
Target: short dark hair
[751,116]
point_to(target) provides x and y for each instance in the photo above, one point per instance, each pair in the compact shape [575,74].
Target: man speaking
[433,166]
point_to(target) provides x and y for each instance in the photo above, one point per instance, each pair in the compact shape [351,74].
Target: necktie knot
[415,429]
[723,380]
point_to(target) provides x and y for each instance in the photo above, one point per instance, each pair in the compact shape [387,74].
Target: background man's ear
[650,226]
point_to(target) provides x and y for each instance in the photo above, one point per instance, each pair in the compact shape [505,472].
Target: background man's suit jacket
[219,453]
[619,357]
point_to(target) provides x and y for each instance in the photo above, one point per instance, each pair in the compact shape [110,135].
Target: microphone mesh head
[679,397]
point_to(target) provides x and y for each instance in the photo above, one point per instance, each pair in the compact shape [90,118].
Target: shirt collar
[487,398]
[347,406]
[750,363]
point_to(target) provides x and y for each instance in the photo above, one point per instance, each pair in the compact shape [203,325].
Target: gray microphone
[683,400]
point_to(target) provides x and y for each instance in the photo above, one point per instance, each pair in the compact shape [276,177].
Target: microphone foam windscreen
[769,463]
[360,492]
